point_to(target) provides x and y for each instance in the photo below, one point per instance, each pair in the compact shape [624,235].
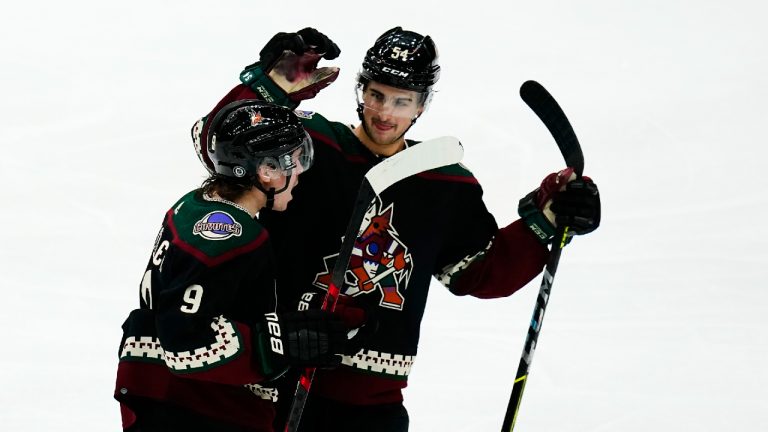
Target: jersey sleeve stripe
[448,177]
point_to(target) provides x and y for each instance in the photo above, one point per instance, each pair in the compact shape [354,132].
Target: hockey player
[199,352]
[431,224]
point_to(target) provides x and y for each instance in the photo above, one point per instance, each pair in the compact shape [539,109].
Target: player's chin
[385,138]
[283,204]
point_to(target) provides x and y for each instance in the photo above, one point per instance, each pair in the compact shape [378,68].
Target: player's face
[388,112]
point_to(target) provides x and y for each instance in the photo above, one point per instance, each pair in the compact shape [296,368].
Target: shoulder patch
[212,231]
[217,225]
[304,114]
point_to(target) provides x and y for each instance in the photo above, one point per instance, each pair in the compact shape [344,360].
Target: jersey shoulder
[213,231]
[333,135]
[456,173]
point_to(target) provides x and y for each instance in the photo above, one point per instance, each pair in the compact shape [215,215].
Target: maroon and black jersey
[190,344]
[433,224]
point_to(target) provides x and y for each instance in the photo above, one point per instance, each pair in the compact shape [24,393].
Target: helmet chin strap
[271,192]
[270,198]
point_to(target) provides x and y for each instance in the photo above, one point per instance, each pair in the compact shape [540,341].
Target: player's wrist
[534,218]
[254,77]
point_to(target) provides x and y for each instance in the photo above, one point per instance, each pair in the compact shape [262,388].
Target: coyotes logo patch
[380,262]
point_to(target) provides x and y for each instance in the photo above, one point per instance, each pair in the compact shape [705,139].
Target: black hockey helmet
[402,59]
[247,134]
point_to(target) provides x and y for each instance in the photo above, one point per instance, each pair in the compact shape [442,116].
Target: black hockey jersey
[433,224]
[208,280]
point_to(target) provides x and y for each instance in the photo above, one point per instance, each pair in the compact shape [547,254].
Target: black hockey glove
[310,338]
[578,206]
[361,322]
[561,199]
[289,60]
[307,39]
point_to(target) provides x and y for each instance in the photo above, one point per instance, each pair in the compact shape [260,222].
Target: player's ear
[267,172]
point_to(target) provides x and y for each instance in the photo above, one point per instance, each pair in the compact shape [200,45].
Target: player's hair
[225,187]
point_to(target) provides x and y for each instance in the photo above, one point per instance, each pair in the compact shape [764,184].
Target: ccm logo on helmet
[395,71]
[274,331]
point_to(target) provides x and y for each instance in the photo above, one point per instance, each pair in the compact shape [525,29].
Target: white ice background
[657,321]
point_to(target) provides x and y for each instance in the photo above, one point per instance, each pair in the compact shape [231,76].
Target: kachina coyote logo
[379,261]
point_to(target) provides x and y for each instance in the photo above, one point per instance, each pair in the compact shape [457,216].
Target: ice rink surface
[657,321]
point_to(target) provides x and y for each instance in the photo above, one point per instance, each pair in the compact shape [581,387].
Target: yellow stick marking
[517,408]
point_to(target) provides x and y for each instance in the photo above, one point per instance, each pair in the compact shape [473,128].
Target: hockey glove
[307,39]
[312,338]
[578,206]
[361,322]
[290,61]
[561,199]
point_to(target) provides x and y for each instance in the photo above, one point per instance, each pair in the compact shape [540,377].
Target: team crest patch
[304,114]
[380,262]
[217,225]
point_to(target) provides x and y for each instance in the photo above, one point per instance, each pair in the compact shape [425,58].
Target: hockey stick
[545,106]
[421,157]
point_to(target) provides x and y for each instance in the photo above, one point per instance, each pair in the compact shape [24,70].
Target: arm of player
[481,260]
[513,258]
[518,251]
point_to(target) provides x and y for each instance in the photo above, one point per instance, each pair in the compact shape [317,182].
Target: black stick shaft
[364,197]
[533,331]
